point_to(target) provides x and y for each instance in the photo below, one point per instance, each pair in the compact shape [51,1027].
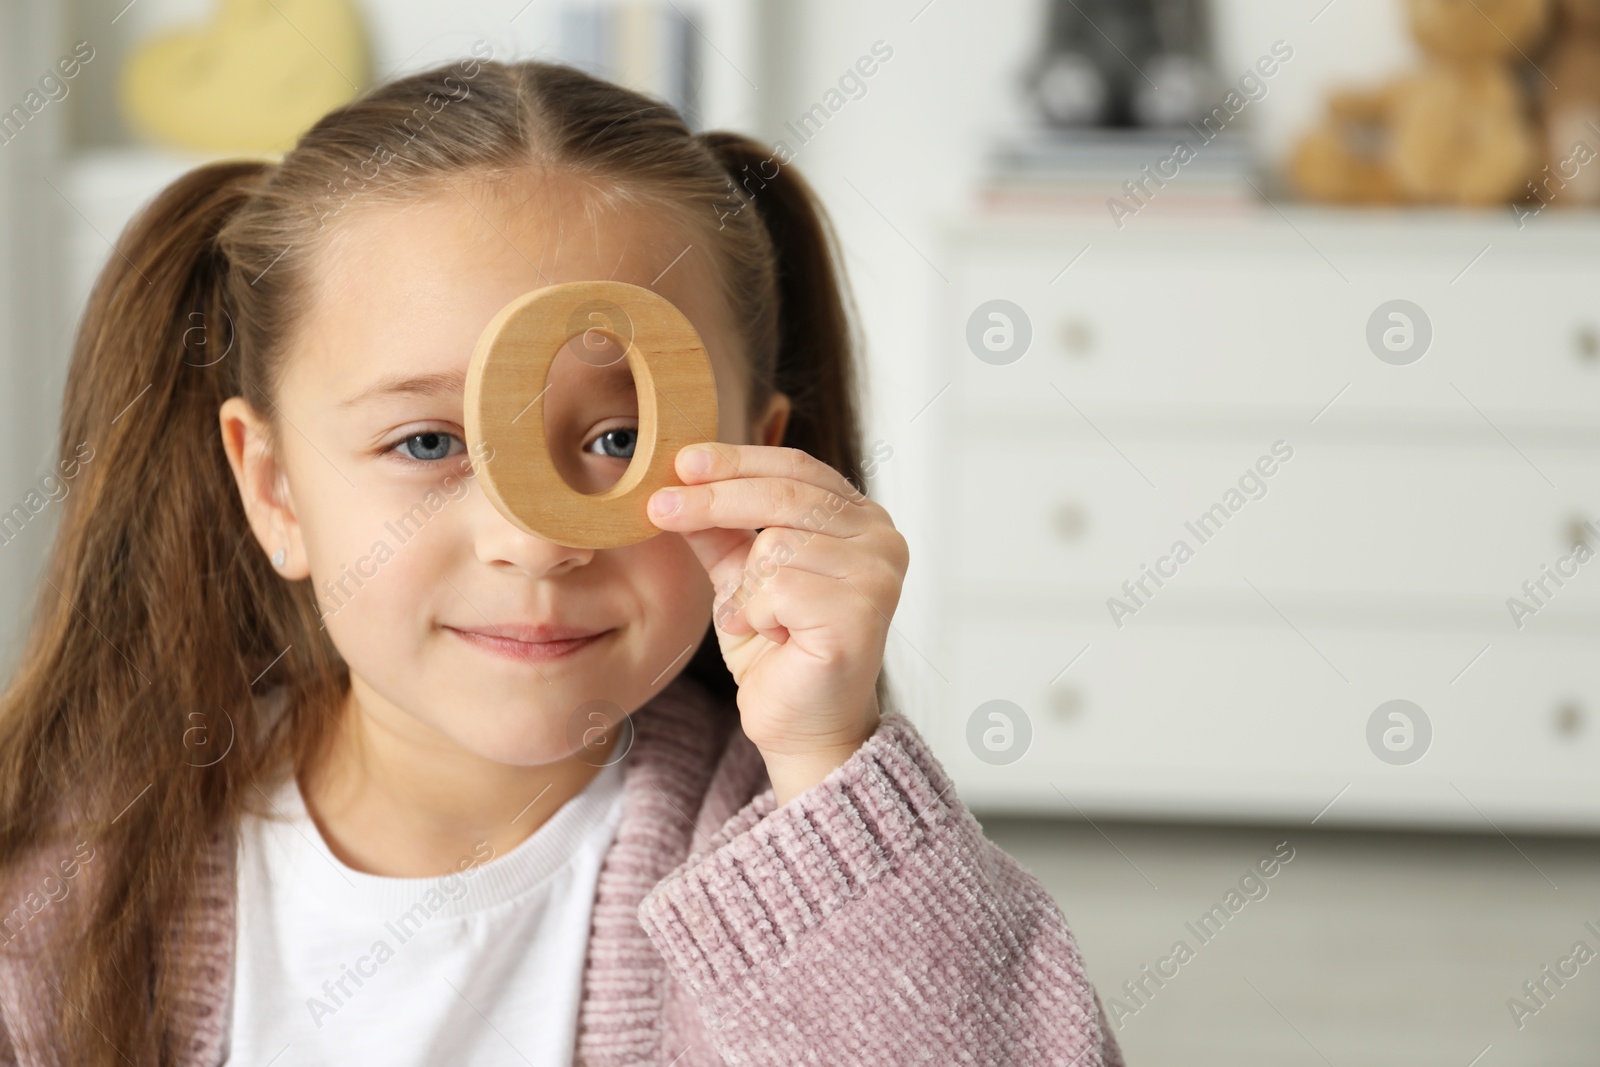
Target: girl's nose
[500,543]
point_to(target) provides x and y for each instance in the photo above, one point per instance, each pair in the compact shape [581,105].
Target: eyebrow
[451,382]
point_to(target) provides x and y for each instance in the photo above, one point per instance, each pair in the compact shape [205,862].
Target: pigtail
[129,726]
[814,358]
[815,362]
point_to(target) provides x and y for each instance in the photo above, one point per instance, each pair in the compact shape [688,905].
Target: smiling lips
[531,644]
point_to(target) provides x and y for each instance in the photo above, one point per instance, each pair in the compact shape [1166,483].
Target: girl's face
[374,498]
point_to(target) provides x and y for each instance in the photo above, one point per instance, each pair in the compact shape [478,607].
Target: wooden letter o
[505,430]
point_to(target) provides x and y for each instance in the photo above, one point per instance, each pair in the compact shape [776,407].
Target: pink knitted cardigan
[867,921]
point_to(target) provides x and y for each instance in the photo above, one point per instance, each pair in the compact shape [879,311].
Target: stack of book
[1120,172]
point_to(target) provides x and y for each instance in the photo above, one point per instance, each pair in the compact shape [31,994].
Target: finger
[819,553]
[774,548]
[757,461]
[826,616]
[757,503]
[874,583]
[876,593]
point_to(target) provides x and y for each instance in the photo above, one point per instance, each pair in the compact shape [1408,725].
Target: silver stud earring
[278,557]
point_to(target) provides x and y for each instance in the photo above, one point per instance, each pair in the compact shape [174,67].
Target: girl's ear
[263,487]
[769,430]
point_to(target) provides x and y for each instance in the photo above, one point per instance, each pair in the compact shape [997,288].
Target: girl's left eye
[618,443]
[428,447]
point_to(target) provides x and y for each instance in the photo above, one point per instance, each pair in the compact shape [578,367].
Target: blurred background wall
[1070,364]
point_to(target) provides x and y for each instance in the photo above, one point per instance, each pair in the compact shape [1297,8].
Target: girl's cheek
[372,562]
[667,562]
[675,587]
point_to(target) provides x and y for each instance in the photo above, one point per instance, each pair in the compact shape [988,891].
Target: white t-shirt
[481,966]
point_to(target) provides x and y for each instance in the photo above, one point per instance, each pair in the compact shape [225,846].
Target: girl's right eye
[430,446]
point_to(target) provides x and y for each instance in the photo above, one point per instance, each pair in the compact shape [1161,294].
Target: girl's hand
[803,606]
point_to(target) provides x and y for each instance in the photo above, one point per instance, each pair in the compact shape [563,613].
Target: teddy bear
[1456,131]
[1569,110]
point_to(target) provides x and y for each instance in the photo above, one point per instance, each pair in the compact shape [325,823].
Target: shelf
[1577,229]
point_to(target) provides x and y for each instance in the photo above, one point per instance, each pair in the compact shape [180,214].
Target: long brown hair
[159,619]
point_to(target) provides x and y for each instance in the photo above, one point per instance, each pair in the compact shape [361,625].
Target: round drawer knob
[1066,702]
[1579,532]
[1586,342]
[1569,719]
[1075,336]
[1070,520]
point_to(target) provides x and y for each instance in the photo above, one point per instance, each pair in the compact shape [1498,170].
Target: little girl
[314,757]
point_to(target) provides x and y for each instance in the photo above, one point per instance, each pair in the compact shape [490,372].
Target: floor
[1369,949]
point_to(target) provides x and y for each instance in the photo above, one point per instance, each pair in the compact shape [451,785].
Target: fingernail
[698,461]
[664,502]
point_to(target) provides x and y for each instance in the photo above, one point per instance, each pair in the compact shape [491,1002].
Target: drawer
[1192,722]
[1459,528]
[1256,321]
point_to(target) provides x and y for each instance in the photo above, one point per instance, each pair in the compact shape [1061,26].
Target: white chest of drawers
[1171,365]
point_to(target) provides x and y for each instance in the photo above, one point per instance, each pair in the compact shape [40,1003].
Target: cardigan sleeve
[869,920]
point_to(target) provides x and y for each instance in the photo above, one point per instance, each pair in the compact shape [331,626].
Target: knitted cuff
[740,910]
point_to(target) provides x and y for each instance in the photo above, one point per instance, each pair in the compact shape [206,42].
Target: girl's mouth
[529,651]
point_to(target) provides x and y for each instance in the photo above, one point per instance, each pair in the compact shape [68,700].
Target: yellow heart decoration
[252,80]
